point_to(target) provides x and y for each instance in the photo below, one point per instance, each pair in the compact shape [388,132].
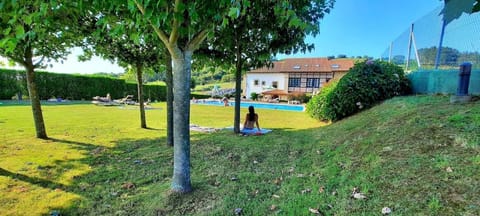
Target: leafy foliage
[318,107]
[254,96]
[366,84]
[74,87]
[454,9]
[9,83]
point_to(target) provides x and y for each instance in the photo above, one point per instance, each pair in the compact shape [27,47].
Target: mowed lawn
[416,155]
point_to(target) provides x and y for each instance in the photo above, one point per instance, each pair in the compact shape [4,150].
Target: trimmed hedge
[366,84]
[74,87]
[318,107]
[9,85]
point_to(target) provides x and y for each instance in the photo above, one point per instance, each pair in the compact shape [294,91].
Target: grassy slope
[416,155]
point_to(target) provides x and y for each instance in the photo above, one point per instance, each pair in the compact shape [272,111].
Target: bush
[318,107]
[254,96]
[74,87]
[302,97]
[199,96]
[363,86]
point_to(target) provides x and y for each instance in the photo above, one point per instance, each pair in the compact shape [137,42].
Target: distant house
[294,76]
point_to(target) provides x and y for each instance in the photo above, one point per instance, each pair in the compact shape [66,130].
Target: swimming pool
[273,106]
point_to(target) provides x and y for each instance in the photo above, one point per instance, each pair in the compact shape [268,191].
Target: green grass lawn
[416,155]
[206,89]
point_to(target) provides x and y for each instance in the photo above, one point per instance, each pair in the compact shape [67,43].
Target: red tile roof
[307,65]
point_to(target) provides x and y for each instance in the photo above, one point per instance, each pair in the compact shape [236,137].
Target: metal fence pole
[409,47]
[440,44]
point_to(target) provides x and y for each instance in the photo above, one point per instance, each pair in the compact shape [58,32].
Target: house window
[263,83]
[313,82]
[255,82]
[274,84]
[294,82]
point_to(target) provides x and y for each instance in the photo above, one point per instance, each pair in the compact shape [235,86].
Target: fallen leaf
[321,189]
[449,169]
[314,211]
[278,181]
[273,207]
[128,185]
[359,196]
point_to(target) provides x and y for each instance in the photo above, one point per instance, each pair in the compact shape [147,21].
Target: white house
[294,76]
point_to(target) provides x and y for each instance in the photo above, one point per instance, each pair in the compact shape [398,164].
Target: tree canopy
[255,31]
[34,33]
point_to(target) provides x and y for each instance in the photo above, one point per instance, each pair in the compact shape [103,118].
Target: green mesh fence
[416,48]
[442,82]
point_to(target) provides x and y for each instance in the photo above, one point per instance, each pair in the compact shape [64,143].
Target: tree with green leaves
[33,33]
[455,8]
[181,26]
[135,49]
[256,31]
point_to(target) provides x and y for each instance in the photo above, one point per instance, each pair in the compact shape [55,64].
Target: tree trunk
[238,89]
[169,82]
[181,121]
[143,121]
[238,73]
[34,97]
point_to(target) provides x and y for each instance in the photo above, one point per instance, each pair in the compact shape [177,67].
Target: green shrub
[199,96]
[254,96]
[11,83]
[318,107]
[302,97]
[363,86]
[74,87]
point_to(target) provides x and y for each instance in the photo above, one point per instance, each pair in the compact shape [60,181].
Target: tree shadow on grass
[134,177]
[32,180]
[87,146]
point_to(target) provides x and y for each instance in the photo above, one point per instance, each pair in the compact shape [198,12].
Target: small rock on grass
[314,211]
[238,211]
[386,210]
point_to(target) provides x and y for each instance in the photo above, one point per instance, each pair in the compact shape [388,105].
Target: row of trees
[148,35]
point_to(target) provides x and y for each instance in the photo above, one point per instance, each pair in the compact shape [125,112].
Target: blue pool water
[273,106]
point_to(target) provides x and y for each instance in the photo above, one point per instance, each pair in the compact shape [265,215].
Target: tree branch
[176,25]
[35,65]
[197,40]
[17,60]
[163,37]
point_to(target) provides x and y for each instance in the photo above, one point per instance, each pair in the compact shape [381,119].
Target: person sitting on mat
[251,119]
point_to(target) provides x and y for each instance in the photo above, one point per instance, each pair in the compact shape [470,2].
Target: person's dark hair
[251,113]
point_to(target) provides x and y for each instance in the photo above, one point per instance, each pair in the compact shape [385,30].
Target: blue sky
[353,28]
[366,27]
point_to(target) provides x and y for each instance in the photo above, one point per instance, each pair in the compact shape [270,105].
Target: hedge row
[366,84]
[73,87]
